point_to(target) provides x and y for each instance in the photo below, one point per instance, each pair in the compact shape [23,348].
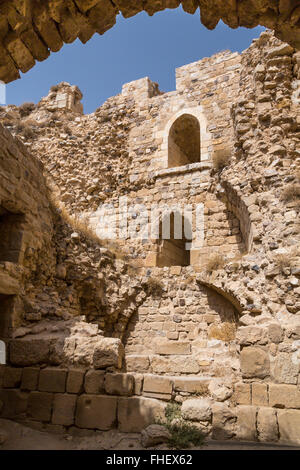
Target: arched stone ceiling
[31,29]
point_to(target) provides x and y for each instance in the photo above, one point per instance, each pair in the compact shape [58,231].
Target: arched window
[184,141]
[175,235]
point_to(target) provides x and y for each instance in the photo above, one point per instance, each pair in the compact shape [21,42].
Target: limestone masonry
[104,333]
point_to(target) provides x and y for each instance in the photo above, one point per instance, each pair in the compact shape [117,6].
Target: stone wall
[225,328]
[76,400]
[25,225]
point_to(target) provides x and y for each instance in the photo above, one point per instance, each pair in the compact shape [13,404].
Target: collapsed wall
[213,324]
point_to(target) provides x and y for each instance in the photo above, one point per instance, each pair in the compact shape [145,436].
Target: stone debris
[198,409]
[153,435]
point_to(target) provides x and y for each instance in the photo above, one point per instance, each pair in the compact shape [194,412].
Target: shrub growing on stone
[288,259]
[220,159]
[26,108]
[214,262]
[291,192]
[182,433]
[28,132]
[155,286]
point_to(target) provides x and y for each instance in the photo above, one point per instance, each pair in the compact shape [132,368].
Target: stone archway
[29,31]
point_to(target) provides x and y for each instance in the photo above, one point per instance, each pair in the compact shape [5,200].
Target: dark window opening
[6,316]
[184,141]
[11,235]
[174,243]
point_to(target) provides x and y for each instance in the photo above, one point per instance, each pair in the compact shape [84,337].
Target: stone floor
[14,436]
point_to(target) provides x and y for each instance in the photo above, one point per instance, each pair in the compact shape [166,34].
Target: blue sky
[134,48]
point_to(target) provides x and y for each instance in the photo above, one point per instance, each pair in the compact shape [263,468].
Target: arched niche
[184,143]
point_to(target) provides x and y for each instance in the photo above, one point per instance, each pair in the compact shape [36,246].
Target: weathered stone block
[196,409]
[40,406]
[219,391]
[53,380]
[14,403]
[247,335]
[28,353]
[255,362]
[285,370]
[12,377]
[289,426]
[267,426]
[246,423]
[242,393]
[174,364]
[197,385]
[223,422]
[154,434]
[138,384]
[287,396]
[260,394]
[137,363]
[173,347]
[275,333]
[64,409]
[282,49]
[119,384]
[96,412]
[175,270]
[94,381]
[157,385]
[135,413]
[109,352]
[30,378]
[75,381]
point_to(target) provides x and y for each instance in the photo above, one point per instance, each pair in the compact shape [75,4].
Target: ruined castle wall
[205,91]
[229,333]
[25,226]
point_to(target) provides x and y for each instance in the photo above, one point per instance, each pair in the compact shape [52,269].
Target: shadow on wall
[222,306]
[11,236]
[6,316]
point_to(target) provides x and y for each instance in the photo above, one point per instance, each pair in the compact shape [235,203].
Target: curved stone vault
[31,29]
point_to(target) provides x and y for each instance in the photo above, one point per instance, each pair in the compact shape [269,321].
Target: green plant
[28,132]
[214,262]
[291,192]
[155,286]
[19,127]
[26,108]
[182,433]
[287,260]
[221,159]
[172,411]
